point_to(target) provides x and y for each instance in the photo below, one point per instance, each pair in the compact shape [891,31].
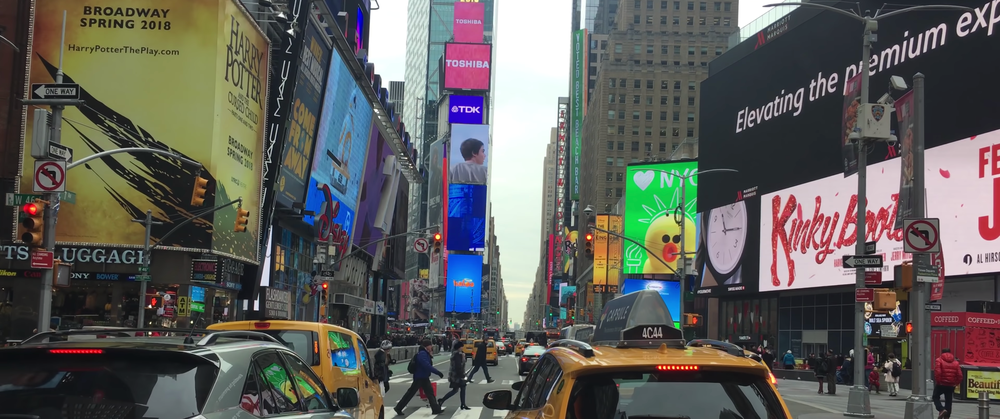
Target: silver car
[118,375]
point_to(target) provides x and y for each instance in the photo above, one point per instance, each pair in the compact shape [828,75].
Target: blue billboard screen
[669,290]
[465,282]
[466,217]
[465,109]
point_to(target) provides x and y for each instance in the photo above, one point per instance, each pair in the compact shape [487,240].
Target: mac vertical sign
[465,109]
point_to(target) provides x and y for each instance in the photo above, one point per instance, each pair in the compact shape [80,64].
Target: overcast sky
[532,72]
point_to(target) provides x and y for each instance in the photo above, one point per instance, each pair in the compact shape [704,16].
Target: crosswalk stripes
[449,412]
[444,381]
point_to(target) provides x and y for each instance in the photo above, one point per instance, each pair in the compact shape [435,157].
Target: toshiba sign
[467,66]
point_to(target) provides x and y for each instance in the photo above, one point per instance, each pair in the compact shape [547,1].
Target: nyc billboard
[465,109]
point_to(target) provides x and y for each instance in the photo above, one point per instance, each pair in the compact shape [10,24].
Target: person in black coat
[456,375]
[480,362]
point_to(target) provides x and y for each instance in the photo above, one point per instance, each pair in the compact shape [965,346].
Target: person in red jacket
[947,376]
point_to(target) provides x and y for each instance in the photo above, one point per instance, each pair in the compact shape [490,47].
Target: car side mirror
[498,399]
[517,386]
[347,398]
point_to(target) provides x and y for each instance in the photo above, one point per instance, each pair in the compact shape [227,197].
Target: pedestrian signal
[34,224]
[692,320]
[909,328]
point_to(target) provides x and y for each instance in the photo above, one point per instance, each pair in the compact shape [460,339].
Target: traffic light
[326,285]
[909,328]
[692,320]
[241,220]
[34,224]
[437,242]
[200,189]
[588,247]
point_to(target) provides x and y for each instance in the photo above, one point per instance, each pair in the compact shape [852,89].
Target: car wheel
[381,413]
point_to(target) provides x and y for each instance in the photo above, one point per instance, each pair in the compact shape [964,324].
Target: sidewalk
[883,406]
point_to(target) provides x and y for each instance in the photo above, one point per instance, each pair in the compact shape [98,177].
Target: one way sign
[854,261]
[55,91]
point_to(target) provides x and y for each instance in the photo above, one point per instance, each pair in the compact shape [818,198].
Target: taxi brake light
[524,359]
[772,378]
[677,368]
[315,347]
[262,325]
[76,351]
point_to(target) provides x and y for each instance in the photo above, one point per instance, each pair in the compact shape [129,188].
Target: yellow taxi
[336,354]
[639,366]
[491,352]
[469,347]
[519,348]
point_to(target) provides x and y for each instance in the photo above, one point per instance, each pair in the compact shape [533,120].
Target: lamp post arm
[197,216]
[822,6]
[8,42]
[927,7]
[132,150]
[361,247]
[637,244]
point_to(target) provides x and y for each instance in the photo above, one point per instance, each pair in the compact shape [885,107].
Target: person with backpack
[382,361]
[892,369]
[421,366]
[820,367]
[788,360]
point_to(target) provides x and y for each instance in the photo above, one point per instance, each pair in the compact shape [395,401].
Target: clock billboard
[727,261]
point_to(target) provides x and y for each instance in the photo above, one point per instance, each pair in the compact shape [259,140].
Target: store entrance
[95,303]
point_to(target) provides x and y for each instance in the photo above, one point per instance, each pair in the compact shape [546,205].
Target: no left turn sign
[420,245]
[922,236]
[50,176]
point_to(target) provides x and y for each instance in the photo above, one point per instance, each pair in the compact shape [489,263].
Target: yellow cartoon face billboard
[189,76]
[660,201]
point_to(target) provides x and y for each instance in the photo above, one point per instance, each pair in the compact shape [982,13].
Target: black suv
[129,374]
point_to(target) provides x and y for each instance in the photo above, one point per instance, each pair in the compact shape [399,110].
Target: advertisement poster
[469,147]
[655,212]
[579,105]
[600,243]
[852,98]
[464,291]
[905,114]
[726,251]
[670,291]
[467,217]
[366,232]
[293,177]
[978,381]
[467,66]
[210,66]
[468,25]
[465,109]
[418,301]
[615,225]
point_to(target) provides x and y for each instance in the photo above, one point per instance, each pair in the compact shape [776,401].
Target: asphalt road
[800,397]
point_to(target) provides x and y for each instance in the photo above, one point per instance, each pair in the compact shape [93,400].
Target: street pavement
[802,400]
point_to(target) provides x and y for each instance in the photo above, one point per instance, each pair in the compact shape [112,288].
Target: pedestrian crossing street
[451,411]
[444,381]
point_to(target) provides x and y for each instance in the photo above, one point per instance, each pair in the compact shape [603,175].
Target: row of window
[717,6]
[665,49]
[635,147]
[620,130]
[649,116]
[664,100]
[676,20]
[637,84]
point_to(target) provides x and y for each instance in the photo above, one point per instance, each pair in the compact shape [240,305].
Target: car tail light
[76,351]
[524,359]
[262,325]
[677,368]
[772,379]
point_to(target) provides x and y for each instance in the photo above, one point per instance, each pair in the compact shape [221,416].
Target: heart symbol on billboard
[643,179]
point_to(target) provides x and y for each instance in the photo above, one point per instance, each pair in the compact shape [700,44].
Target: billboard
[600,240]
[727,254]
[467,66]
[670,291]
[366,230]
[465,280]
[468,25]
[293,177]
[417,300]
[202,70]
[467,217]
[466,109]
[793,115]
[437,180]
[579,101]
[339,156]
[469,146]
[615,257]
[653,215]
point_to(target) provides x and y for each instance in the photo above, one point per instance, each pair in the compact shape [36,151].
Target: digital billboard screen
[670,291]
[468,25]
[467,157]
[727,254]
[467,66]
[465,280]
[466,217]
[653,215]
[465,109]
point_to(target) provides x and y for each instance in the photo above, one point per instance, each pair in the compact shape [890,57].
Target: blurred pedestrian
[421,367]
[456,376]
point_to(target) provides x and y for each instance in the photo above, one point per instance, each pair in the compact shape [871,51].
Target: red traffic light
[326,285]
[589,237]
[909,328]
[30,208]
[437,236]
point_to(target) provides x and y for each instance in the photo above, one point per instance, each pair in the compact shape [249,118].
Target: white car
[501,348]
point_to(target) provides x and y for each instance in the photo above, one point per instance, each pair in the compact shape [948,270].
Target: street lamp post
[859,401]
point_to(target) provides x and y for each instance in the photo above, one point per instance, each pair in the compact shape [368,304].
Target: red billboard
[468,23]
[467,66]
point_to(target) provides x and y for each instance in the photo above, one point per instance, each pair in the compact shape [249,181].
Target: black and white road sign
[932,307]
[50,176]
[870,247]
[59,151]
[55,91]
[922,235]
[420,245]
[855,261]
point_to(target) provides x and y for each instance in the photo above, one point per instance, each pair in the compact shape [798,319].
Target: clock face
[726,237]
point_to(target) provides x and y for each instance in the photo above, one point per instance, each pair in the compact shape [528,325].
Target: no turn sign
[922,235]
[420,245]
[50,176]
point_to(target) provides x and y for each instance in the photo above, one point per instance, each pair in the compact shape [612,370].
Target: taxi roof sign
[640,317]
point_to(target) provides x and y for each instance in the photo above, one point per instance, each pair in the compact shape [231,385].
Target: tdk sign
[465,109]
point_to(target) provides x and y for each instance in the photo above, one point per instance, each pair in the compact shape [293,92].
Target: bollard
[984,405]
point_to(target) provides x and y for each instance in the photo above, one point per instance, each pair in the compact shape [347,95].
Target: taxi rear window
[669,394]
[302,342]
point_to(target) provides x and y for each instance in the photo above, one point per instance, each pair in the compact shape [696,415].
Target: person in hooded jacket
[788,360]
[947,376]
[422,379]
[456,375]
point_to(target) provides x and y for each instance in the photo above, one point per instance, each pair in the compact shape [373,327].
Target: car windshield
[534,350]
[299,341]
[58,386]
[674,395]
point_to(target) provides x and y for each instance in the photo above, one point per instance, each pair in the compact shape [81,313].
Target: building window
[676,133]
[715,21]
[618,48]
[663,133]
[663,146]
[718,51]
[611,114]
[621,83]
[636,99]
[677,116]
[618,192]
[611,82]
[649,49]
[649,132]
[690,100]
[611,161]
[690,5]
[649,83]
[718,6]
[725,22]
[663,116]
[677,84]
[664,99]
[621,162]
[621,131]
[663,20]
[690,63]
[637,84]
[638,4]
[621,114]
[690,116]
[604,45]
[611,98]
[690,20]
[729,6]
[635,131]
[690,50]
[663,83]
[649,100]
[704,50]
[649,146]
[635,114]
[609,176]
[621,98]
[676,20]
[663,5]
[635,19]
[649,20]
[636,48]
[611,130]
[635,144]
[691,85]
[620,176]
[677,49]
[703,6]
[608,192]
[690,132]
[677,100]
[677,5]
[649,115]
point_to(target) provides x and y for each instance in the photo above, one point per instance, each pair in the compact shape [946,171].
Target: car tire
[381,413]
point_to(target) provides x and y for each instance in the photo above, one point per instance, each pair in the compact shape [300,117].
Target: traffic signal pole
[148,223]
